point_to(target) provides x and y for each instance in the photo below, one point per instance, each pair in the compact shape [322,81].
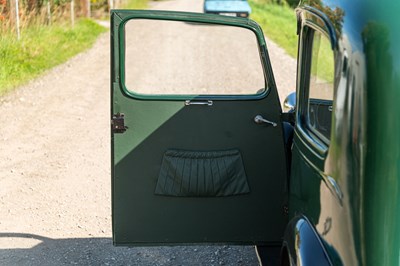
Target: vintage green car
[202,152]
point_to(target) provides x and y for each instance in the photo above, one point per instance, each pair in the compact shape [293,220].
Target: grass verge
[135,4]
[41,48]
[278,22]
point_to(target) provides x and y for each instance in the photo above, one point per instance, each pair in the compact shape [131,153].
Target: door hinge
[118,123]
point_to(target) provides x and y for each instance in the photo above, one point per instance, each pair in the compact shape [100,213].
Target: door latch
[289,117]
[118,123]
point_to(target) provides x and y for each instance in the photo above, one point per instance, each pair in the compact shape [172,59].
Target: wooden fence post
[88,9]
[17,19]
[48,12]
[72,12]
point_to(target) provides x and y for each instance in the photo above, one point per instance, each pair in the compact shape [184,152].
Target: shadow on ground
[100,251]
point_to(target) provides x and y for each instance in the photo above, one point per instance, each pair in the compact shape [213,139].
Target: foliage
[48,36]
[336,15]
[278,22]
[135,4]
[41,48]
[322,65]
[291,3]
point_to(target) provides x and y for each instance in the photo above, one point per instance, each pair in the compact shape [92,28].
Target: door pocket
[202,174]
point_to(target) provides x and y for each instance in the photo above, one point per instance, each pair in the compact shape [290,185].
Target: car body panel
[349,189]
[304,244]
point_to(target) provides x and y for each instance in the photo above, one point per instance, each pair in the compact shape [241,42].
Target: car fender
[302,245]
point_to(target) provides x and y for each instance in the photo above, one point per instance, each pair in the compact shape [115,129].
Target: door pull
[189,102]
[260,120]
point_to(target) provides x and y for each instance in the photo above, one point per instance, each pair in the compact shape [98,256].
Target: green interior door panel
[195,173]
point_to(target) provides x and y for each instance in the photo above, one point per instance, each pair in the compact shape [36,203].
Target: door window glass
[180,58]
[320,100]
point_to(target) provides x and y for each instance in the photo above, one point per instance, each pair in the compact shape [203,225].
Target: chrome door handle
[208,103]
[259,120]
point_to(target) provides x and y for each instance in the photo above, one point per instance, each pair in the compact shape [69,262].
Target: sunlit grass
[278,22]
[135,4]
[41,48]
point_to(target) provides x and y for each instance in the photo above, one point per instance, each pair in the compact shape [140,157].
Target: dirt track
[55,171]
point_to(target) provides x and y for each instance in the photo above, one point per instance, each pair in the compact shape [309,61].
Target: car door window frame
[314,140]
[125,16]
[310,86]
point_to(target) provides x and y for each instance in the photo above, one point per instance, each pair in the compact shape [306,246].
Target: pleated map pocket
[202,174]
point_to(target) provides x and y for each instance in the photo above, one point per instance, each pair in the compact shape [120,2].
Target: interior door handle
[208,103]
[260,120]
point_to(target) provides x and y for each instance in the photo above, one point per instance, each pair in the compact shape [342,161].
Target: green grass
[322,64]
[41,48]
[280,25]
[135,4]
[278,22]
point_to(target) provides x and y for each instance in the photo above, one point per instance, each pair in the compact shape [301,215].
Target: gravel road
[55,169]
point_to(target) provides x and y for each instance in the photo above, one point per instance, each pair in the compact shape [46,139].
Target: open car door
[197,143]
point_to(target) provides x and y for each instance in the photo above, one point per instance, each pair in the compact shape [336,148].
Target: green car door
[198,152]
